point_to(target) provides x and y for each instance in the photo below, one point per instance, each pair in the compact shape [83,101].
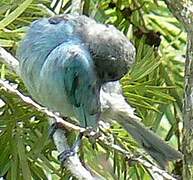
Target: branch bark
[187,140]
[183,11]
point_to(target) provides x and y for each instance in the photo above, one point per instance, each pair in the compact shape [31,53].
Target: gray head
[112,52]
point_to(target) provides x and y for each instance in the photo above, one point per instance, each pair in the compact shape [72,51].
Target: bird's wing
[81,86]
[69,72]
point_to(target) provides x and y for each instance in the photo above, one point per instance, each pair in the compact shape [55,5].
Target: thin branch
[73,162]
[9,60]
[41,109]
[131,158]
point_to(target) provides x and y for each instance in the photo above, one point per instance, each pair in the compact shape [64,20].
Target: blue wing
[69,72]
[67,83]
[81,85]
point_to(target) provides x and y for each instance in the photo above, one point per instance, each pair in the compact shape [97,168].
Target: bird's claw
[92,135]
[66,154]
[72,151]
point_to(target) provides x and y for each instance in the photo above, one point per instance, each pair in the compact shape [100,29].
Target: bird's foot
[72,151]
[66,154]
[52,129]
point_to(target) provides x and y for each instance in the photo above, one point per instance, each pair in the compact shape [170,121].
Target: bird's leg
[67,152]
[72,151]
[90,133]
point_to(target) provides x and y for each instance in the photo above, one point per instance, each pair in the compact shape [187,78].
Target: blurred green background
[154,87]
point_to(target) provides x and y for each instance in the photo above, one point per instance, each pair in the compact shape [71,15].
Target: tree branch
[183,11]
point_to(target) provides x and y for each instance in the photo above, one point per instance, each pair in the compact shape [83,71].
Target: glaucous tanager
[71,64]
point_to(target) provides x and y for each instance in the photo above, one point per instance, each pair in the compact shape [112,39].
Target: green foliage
[154,87]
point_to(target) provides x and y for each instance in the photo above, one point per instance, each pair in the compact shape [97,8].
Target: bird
[59,73]
[72,65]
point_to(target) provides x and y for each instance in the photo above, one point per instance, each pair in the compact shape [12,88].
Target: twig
[39,108]
[9,60]
[131,158]
[73,162]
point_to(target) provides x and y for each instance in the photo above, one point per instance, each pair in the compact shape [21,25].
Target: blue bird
[71,65]
[59,72]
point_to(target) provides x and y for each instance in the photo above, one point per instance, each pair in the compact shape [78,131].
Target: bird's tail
[153,144]
[116,108]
